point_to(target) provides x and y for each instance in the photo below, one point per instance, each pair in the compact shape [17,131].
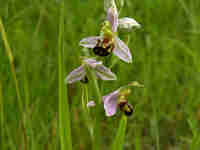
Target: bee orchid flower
[108,41]
[117,99]
[100,70]
[112,101]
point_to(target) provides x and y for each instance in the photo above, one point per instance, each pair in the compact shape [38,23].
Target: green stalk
[96,88]
[137,137]
[63,108]
[96,145]
[2,142]
[119,139]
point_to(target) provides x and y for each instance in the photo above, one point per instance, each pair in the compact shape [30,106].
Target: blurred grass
[2,142]
[165,58]
[63,105]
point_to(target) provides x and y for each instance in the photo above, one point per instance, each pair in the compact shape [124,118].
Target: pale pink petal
[76,75]
[91,104]
[90,42]
[112,17]
[104,73]
[91,62]
[101,71]
[128,23]
[110,103]
[122,51]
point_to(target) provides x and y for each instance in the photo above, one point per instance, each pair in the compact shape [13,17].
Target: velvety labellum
[84,80]
[101,50]
[126,107]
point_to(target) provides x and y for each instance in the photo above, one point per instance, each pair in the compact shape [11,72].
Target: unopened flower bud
[128,23]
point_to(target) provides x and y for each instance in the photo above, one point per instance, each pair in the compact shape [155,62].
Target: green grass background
[166,60]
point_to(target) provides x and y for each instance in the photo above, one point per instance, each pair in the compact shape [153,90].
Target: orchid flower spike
[117,99]
[100,70]
[108,41]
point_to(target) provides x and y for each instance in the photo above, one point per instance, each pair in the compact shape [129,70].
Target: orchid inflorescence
[103,45]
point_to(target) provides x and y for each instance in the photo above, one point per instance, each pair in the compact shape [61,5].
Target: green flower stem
[63,107]
[119,139]
[84,98]
[86,111]
[96,88]
[96,145]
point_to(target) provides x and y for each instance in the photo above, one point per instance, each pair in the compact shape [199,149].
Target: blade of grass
[11,61]
[187,11]
[26,92]
[155,128]
[2,142]
[138,138]
[10,144]
[195,140]
[12,67]
[63,108]
[119,138]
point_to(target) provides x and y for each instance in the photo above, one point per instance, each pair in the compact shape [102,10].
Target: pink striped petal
[91,62]
[122,51]
[110,103]
[112,17]
[76,75]
[90,42]
[104,73]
